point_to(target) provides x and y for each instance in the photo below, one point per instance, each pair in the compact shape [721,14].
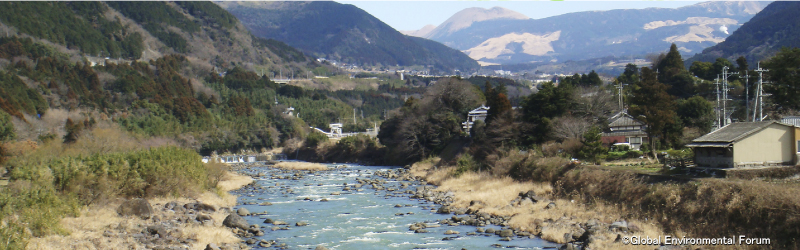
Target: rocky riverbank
[158,223]
[521,209]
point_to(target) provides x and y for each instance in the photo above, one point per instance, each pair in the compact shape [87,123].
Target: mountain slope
[595,34]
[465,18]
[340,32]
[774,27]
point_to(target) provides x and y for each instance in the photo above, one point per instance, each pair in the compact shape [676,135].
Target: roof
[734,132]
[791,120]
[624,133]
[623,119]
[480,110]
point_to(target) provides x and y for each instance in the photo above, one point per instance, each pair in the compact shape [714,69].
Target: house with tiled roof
[623,128]
[478,114]
[743,144]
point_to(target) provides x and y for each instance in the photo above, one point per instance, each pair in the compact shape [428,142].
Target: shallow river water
[357,219]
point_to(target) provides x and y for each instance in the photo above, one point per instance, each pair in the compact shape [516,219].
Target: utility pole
[717,122]
[354,117]
[760,94]
[619,95]
[726,116]
[746,95]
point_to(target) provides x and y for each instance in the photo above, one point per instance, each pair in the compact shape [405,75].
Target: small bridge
[244,158]
[281,81]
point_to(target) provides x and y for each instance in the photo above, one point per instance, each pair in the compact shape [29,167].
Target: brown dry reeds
[301,166]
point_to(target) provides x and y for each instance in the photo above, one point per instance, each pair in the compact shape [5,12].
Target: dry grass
[86,230]
[496,193]
[301,166]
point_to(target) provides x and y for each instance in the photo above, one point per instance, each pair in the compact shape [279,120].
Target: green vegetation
[79,25]
[153,16]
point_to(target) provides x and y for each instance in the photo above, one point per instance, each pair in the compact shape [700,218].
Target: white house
[478,114]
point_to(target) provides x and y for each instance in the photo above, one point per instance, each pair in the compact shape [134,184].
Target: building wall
[770,145]
[795,146]
[713,157]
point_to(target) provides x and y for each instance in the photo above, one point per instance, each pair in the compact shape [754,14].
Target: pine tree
[651,104]
[593,149]
[672,72]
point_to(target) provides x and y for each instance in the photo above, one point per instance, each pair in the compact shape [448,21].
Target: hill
[184,71]
[774,27]
[343,32]
[596,34]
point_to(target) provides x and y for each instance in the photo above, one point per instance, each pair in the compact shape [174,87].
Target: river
[362,218]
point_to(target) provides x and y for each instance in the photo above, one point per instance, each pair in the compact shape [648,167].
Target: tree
[703,70]
[651,104]
[672,72]
[630,75]
[593,149]
[540,108]
[593,79]
[742,63]
[784,72]
[696,112]
[6,127]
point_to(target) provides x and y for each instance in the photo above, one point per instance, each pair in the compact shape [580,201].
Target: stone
[620,225]
[268,221]
[505,239]
[212,246]
[490,230]
[336,193]
[301,224]
[136,207]
[506,233]
[157,229]
[266,203]
[243,212]
[443,210]
[420,231]
[279,222]
[448,232]
[203,217]
[551,205]
[236,221]
[320,248]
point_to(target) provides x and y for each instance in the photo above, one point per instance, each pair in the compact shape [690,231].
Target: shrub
[466,163]
[544,169]
[315,138]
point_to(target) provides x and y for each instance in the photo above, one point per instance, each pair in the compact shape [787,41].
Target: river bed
[359,218]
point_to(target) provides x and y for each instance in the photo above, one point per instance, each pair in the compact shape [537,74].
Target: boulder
[320,248]
[136,207]
[448,232]
[443,210]
[203,217]
[243,212]
[212,246]
[301,224]
[236,221]
[506,233]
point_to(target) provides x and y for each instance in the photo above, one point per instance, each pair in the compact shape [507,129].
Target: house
[742,144]
[478,114]
[623,128]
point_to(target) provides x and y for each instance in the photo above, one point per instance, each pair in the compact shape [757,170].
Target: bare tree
[593,103]
[567,127]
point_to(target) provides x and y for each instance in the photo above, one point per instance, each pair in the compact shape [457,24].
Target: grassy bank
[692,208]
[53,180]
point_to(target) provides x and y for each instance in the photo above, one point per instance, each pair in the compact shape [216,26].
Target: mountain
[344,33]
[465,18]
[420,32]
[595,34]
[774,27]
[202,31]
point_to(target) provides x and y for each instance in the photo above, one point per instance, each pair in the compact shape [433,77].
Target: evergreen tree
[593,149]
[593,79]
[672,72]
[784,70]
[651,104]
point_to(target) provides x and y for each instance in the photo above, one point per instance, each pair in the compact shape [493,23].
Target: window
[635,140]
[798,146]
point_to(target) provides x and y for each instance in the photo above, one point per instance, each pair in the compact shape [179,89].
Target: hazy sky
[412,15]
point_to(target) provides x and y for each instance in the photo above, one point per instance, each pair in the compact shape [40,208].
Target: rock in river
[236,221]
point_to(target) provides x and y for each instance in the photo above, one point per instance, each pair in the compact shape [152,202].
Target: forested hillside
[345,33]
[761,37]
[183,71]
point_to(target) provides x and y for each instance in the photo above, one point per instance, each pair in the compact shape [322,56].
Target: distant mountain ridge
[774,27]
[345,33]
[596,34]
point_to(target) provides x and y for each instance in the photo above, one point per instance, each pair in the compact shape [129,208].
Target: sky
[413,15]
